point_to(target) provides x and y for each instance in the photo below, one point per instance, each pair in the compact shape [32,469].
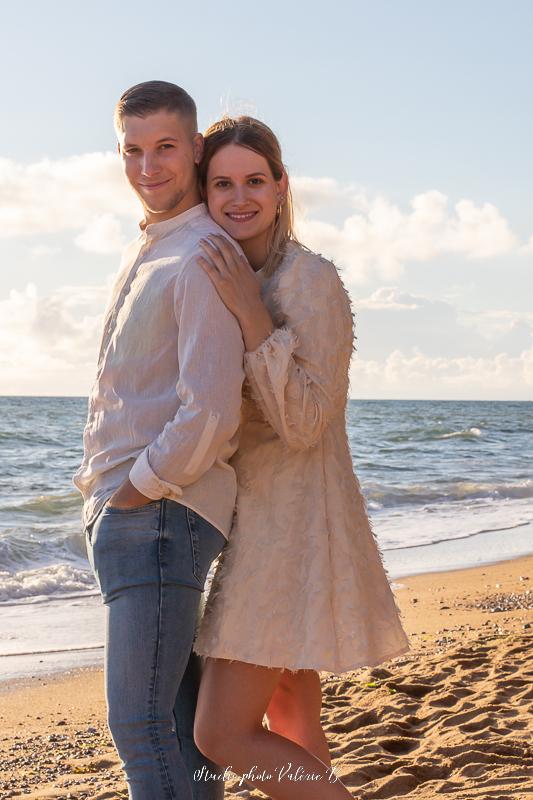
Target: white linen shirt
[165,406]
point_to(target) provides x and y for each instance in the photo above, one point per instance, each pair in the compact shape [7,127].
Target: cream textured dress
[300,584]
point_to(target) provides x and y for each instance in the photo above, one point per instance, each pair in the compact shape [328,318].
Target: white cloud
[102,235]
[43,250]
[418,376]
[390,319]
[88,195]
[390,297]
[527,248]
[377,238]
[408,346]
[320,193]
[49,197]
[48,345]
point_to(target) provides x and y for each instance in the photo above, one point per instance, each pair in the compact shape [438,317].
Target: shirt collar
[156,230]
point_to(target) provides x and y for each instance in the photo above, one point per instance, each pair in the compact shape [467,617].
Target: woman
[300,587]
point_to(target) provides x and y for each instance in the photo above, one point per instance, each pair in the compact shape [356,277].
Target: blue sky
[375,103]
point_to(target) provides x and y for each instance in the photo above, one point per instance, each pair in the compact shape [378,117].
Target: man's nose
[149,164]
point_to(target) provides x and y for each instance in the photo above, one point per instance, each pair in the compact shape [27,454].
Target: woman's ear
[283,185]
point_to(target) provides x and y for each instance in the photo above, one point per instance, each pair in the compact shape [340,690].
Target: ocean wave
[382,496]
[468,433]
[18,438]
[38,542]
[44,504]
[45,582]
[435,435]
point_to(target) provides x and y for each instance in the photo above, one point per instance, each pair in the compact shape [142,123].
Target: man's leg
[202,770]
[150,564]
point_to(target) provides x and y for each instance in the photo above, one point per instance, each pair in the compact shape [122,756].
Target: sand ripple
[453,724]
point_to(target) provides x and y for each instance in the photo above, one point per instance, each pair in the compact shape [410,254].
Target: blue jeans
[151,564]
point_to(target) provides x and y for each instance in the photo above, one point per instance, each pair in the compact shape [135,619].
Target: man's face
[159,154]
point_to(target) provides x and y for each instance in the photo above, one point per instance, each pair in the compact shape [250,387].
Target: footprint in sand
[481,724]
[345,726]
[455,720]
[393,787]
[399,745]
[416,690]
[472,663]
[354,722]
[478,675]
[446,701]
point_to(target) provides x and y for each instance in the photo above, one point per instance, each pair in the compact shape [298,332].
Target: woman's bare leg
[229,729]
[294,712]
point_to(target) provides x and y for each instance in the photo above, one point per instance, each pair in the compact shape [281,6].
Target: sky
[407,130]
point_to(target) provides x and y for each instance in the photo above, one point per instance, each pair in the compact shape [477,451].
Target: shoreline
[402,583]
[450,715]
[65,660]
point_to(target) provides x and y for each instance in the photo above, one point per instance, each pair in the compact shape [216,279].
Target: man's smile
[151,186]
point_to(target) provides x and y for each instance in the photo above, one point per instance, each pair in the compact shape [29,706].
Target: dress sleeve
[299,374]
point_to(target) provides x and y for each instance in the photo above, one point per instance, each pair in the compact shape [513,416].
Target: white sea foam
[431,524]
[467,433]
[46,581]
[381,495]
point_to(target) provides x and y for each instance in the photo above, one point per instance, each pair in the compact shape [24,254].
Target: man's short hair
[152,96]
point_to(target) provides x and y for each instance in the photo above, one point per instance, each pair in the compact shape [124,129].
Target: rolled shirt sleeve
[210,352]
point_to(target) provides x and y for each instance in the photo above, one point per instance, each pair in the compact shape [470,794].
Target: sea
[448,485]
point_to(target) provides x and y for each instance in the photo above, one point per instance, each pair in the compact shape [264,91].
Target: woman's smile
[241,216]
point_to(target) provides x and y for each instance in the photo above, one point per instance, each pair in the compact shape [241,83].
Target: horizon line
[356,399]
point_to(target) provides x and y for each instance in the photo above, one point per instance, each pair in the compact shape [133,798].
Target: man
[163,415]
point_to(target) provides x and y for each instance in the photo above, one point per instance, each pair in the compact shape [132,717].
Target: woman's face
[242,194]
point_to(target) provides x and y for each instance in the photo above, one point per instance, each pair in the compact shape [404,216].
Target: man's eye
[131,151]
[166,146]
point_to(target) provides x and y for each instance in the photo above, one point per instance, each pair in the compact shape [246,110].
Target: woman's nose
[240,194]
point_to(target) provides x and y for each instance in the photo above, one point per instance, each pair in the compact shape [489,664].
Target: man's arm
[210,352]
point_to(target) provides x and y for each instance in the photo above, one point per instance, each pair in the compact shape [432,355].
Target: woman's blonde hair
[255,135]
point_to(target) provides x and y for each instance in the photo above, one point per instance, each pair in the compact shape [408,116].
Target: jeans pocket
[192,527]
[88,533]
[206,543]
[88,530]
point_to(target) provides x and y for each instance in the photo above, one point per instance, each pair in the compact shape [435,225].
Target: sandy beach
[452,717]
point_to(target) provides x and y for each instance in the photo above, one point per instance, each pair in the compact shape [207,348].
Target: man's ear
[119,151]
[198,147]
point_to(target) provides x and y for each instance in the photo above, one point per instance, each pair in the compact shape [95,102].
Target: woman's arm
[239,288]
[299,372]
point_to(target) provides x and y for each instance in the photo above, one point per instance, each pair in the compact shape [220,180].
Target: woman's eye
[256,181]
[222,184]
